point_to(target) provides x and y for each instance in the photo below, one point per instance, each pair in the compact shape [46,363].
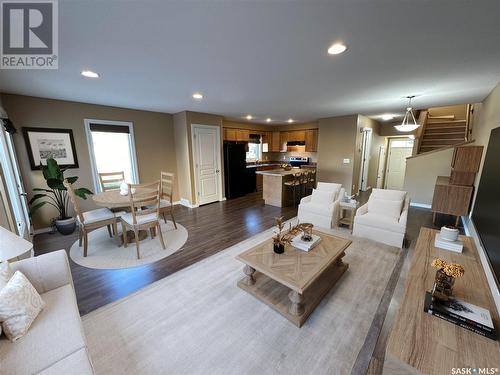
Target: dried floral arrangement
[451,269]
[285,236]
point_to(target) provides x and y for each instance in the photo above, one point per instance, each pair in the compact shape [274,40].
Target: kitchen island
[274,192]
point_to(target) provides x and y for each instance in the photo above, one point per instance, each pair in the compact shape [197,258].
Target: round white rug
[104,253]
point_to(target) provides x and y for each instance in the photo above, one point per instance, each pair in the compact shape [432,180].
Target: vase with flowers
[445,278]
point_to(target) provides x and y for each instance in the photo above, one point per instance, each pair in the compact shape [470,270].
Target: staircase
[442,131]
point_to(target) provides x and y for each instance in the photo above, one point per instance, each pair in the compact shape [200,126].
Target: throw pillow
[5,275]
[323,197]
[383,207]
[20,304]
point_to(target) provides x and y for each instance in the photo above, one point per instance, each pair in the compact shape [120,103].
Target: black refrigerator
[235,169]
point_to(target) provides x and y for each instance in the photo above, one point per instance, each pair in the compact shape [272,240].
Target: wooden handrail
[441,149]
[422,120]
[468,120]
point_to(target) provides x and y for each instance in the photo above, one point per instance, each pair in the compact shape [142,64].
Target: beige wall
[422,171]
[153,133]
[246,125]
[460,111]
[488,118]
[336,142]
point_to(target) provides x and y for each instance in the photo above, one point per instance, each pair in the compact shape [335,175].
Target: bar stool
[304,180]
[311,182]
[294,184]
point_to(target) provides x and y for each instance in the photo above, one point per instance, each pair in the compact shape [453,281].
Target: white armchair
[322,207]
[383,218]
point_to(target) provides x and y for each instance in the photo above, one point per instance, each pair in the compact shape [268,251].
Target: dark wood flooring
[211,228]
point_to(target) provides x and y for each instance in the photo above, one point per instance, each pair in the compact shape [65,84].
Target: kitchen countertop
[261,165]
[280,172]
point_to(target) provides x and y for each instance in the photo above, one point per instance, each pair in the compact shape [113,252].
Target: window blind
[109,128]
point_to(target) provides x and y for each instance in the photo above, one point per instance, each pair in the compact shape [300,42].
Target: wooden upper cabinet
[283,141]
[230,134]
[467,158]
[311,136]
[275,142]
[297,136]
[266,138]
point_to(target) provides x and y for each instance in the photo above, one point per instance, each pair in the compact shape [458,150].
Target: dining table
[112,199]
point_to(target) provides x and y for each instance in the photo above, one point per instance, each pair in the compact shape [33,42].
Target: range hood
[295,143]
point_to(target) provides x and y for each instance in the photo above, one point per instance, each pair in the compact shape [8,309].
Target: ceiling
[269,59]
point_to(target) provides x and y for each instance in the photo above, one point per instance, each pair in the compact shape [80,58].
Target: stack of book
[300,244]
[463,314]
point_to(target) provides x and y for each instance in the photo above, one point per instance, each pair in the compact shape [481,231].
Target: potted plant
[57,196]
[445,278]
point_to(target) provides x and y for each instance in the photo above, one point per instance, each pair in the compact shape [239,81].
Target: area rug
[104,252]
[197,321]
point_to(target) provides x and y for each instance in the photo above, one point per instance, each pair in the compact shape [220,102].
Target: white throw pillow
[322,197]
[5,275]
[383,207]
[20,304]
[387,194]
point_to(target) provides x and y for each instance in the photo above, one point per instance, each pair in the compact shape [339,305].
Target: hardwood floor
[211,228]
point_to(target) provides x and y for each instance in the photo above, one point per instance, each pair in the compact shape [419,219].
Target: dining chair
[166,192]
[111,180]
[144,201]
[93,219]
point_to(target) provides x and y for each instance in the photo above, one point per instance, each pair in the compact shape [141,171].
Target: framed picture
[44,143]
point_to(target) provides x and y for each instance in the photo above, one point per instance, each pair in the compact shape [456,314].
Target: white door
[381,167]
[14,184]
[206,148]
[396,163]
[365,159]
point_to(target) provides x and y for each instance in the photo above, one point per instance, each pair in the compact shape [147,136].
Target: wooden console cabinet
[420,343]
[451,199]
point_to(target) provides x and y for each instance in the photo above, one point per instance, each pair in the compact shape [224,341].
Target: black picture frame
[35,160]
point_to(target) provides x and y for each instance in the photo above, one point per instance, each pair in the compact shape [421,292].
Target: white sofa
[55,343]
[383,218]
[321,213]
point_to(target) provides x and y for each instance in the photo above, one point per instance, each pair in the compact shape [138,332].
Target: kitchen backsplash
[275,156]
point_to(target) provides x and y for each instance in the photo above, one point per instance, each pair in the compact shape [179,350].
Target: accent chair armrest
[362,210]
[306,199]
[46,272]
[404,214]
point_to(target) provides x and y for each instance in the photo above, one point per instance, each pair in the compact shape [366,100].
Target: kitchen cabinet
[275,142]
[296,136]
[240,135]
[311,138]
[283,141]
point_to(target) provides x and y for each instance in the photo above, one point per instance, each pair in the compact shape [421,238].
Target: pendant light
[406,125]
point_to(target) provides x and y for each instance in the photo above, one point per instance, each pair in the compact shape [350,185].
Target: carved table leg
[248,279]
[296,306]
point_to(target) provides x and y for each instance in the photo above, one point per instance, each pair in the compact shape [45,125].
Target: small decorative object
[286,167]
[445,278]
[306,232]
[281,237]
[449,233]
[57,196]
[49,143]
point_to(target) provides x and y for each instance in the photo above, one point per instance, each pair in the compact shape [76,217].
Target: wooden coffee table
[293,283]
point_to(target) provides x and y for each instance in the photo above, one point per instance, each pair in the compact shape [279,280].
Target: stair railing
[468,121]
[422,120]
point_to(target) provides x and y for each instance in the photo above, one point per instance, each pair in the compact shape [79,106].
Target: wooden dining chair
[144,201]
[111,180]
[88,220]
[166,192]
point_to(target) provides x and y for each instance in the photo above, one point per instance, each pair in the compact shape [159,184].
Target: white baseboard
[470,230]
[420,205]
[186,203]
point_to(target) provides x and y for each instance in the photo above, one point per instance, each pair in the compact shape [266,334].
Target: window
[111,147]
[254,151]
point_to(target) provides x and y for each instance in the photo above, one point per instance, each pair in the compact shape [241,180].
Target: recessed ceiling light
[387,117]
[89,74]
[290,120]
[337,49]
[268,119]
[249,117]
[197,96]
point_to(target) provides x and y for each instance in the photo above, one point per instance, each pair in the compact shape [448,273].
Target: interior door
[206,147]
[365,159]
[396,167]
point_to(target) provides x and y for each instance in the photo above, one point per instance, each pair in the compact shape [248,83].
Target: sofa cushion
[20,304]
[99,214]
[384,207]
[390,195]
[77,363]
[322,197]
[141,219]
[381,222]
[56,333]
[5,273]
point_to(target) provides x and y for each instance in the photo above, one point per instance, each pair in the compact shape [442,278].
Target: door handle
[217,171]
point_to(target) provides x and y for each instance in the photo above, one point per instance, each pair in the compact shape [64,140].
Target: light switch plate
[346,161]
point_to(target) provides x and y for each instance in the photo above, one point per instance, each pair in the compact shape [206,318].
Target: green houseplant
[57,196]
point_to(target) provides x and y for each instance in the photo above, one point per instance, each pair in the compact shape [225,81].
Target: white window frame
[95,174]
